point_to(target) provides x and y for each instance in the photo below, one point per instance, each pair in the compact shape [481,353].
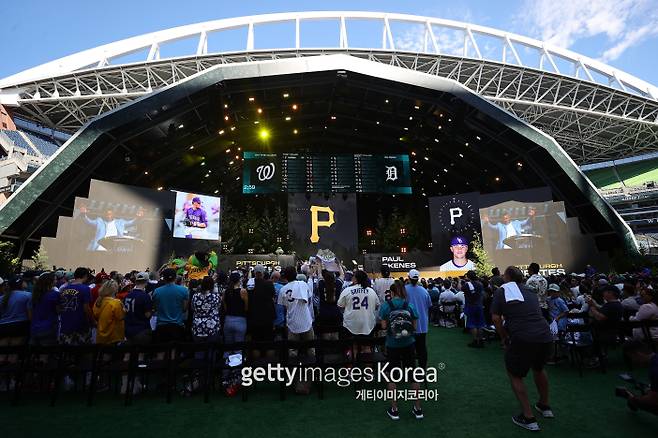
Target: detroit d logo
[316,223]
[391,173]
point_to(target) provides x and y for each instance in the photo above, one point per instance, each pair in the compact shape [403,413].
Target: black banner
[323,222]
[397,262]
[454,221]
[239,261]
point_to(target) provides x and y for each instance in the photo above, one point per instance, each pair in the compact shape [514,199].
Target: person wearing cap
[557,307]
[195,216]
[15,312]
[418,296]
[459,262]
[261,315]
[382,285]
[606,316]
[100,278]
[138,307]
[170,304]
[474,308]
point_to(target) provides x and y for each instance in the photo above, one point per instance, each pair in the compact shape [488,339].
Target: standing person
[383,284]
[527,340]
[15,312]
[361,304]
[205,312]
[170,304]
[539,284]
[45,321]
[474,308]
[280,320]
[261,313]
[75,313]
[235,304]
[420,298]
[108,310]
[329,289]
[399,318]
[138,308]
[298,300]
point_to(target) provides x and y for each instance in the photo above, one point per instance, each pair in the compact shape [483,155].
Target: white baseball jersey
[361,305]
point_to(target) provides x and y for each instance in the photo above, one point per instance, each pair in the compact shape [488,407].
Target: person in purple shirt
[45,299]
[195,216]
[76,319]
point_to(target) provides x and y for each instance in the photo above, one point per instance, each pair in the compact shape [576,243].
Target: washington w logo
[265,172]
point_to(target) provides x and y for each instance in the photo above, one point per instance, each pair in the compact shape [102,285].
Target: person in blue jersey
[420,298]
[76,319]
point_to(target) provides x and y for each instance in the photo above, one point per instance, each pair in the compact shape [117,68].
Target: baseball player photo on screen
[197,216]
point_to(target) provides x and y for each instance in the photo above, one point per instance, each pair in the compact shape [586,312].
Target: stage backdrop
[517,228]
[323,222]
[121,227]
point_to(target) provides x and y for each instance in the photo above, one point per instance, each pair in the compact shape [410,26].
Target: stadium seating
[46,146]
[631,174]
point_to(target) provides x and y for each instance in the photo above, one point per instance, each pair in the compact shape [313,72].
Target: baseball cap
[169,274]
[234,277]
[554,287]
[301,277]
[458,240]
[196,199]
[142,276]
[16,282]
[414,274]
[259,268]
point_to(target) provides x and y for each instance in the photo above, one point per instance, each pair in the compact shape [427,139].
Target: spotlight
[264,134]
[295,131]
[294,107]
[288,118]
[260,110]
[221,132]
[251,99]
[285,95]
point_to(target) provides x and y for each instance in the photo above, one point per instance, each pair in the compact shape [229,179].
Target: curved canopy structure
[189,136]
[595,112]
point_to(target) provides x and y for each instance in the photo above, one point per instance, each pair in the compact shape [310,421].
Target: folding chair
[157,361]
[577,338]
[13,369]
[191,359]
[275,353]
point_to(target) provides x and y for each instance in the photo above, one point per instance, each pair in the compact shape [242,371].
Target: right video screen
[516,232]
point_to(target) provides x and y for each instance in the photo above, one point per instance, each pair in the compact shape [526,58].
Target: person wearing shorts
[527,340]
[400,351]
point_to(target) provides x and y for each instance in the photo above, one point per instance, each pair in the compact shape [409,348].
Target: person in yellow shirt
[109,313]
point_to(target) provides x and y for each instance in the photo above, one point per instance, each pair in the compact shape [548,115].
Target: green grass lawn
[475,401]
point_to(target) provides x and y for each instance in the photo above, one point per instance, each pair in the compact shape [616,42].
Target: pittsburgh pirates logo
[456,215]
[316,223]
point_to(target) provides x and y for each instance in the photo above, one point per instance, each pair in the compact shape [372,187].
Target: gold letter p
[315,223]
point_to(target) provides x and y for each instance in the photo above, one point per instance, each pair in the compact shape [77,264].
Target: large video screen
[325,173]
[197,216]
[317,222]
[516,228]
[115,227]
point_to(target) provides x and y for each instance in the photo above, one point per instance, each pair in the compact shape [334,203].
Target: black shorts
[20,329]
[404,357]
[169,333]
[520,357]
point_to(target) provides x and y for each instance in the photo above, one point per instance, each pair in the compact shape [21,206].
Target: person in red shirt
[100,278]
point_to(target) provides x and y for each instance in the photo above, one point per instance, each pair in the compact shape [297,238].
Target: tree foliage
[483,263]
[8,261]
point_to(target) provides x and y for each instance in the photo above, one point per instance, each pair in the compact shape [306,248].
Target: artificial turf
[474,401]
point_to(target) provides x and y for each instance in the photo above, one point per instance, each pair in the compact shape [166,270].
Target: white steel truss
[595,112]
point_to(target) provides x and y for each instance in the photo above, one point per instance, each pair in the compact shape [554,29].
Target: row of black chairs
[585,338]
[44,368]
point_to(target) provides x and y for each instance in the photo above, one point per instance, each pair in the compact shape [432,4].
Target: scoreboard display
[325,173]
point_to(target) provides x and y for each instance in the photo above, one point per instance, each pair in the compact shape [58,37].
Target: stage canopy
[191,137]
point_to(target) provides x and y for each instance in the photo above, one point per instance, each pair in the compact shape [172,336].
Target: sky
[621,33]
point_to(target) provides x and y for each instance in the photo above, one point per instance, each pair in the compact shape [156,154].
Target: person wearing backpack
[398,318]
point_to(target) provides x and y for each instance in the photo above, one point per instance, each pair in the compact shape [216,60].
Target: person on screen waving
[459,262]
[361,304]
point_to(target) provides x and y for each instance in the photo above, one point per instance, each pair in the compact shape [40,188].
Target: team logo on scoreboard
[391,173]
[265,172]
[456,215]
[316,223]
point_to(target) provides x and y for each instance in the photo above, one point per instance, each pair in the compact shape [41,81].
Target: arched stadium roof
[170,137]
[594,111]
